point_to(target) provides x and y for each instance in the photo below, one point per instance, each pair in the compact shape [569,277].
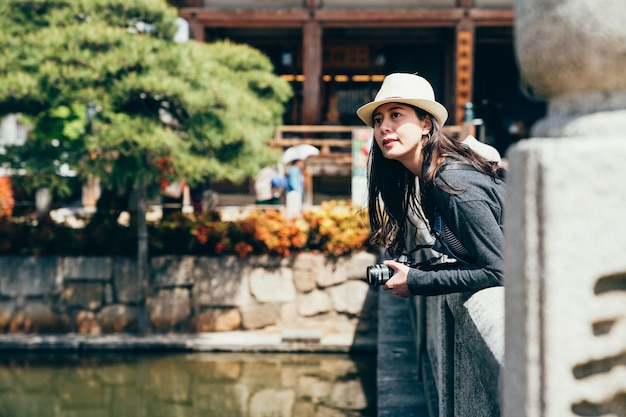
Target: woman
[458,193]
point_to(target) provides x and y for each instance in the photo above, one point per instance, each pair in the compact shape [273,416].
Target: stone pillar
[572,53]
[565,273]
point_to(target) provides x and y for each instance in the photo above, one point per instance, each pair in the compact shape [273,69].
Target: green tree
[109,93]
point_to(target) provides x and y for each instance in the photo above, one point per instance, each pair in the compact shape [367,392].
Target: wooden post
[464,63]
[312,69]
[197,29]
[308,189]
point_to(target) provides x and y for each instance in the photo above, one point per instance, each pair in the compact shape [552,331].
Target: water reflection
[186,385]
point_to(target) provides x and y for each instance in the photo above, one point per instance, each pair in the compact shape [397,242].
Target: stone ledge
[249,341]
[478,350]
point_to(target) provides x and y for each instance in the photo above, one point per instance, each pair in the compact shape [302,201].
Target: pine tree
[109,94]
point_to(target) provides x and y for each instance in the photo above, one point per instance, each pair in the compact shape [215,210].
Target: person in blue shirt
[295,177]
[295,188]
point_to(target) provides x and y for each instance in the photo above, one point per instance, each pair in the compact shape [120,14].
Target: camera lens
[378,274]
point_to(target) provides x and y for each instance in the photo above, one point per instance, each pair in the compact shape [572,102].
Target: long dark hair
[393,190]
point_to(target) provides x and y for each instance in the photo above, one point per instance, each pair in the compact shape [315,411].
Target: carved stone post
[565,228]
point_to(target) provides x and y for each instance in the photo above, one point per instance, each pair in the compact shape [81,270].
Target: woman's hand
[397,284]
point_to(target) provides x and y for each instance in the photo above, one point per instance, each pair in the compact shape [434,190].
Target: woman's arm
[475,217]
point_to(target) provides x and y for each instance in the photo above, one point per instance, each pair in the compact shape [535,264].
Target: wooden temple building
[335,54]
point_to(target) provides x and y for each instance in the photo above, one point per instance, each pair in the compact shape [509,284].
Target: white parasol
[299,152]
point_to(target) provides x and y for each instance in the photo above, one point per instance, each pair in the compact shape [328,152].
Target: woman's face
[398,133]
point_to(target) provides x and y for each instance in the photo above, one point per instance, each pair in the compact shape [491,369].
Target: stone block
[349,297]
[269,261]
[118,318]
[7,308]
[34,317]
[87,323]
[332,273]
[216,320]
[272,285]
[29,276]
[305,409]
[308,336]
[88,268]
[306,267]
[356,264]
[259,316]
[289,312]
[314,303]
[86,295]
[125,281]
[220,281]
[108,297]
[169,308]
[172,271]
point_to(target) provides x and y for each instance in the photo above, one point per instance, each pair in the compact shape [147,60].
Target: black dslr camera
[379,274]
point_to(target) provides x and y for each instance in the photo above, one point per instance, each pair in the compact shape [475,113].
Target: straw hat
[407,89]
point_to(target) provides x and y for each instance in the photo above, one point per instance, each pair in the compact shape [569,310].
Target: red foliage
[7,202]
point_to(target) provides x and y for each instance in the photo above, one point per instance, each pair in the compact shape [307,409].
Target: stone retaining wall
[100,295]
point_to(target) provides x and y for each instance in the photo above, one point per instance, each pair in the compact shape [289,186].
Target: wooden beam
[447,17]
[390,17]
[248,17]
[491,17]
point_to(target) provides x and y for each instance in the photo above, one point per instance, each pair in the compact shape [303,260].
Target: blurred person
[269,185]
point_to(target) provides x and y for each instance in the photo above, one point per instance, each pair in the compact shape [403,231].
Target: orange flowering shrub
[336,228]
[219,238]
[7,202]
[276,234]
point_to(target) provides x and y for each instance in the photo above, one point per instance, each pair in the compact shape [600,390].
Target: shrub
[337,228]
[276,234]
[334,228]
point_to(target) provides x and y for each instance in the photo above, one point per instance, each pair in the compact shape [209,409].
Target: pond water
[188,385]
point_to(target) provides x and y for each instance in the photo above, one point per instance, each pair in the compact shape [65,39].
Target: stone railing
[185,294]
[460,346]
